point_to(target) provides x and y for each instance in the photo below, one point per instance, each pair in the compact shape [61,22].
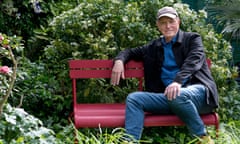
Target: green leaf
[10,118]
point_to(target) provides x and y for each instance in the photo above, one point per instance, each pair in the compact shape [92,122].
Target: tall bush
[24,17]
[100,29]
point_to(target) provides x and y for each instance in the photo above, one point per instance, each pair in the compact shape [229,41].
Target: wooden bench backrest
[83,69]
[80,69]
[102,69]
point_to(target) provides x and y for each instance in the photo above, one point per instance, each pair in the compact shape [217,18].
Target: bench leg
[217,129]
[75,136]
[216,124]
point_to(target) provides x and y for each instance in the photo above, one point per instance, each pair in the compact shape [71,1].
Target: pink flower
[1,38]
[4,69]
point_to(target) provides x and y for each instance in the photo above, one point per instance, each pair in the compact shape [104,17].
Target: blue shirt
[169,67]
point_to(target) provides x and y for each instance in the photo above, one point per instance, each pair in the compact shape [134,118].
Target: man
[177,77]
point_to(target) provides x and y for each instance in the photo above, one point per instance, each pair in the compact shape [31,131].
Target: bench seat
[113,115]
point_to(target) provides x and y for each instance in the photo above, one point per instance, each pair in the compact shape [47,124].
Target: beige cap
[168,12]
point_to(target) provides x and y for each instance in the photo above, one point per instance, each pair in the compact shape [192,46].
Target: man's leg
[139,102]
[188,105]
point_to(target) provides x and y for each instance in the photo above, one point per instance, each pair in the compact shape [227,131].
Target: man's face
[168,27]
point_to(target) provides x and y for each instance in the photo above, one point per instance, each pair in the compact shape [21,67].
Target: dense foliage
[99,30]
[23,17]
[90,29]
[17,126]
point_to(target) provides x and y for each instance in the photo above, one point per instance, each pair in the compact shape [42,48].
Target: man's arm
[193,60]
[122,58]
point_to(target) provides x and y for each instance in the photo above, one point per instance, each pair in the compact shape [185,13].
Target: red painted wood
[113,115]
[209,62]
[102,69]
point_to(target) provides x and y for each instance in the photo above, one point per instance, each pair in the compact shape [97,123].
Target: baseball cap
[168,12]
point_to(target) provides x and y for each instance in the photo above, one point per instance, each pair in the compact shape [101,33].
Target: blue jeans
[187,106]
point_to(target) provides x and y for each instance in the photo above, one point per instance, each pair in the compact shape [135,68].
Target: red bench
[113,115]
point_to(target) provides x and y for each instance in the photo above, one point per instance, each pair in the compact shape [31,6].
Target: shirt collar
[174,39]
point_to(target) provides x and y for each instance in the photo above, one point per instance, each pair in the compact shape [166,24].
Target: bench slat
[149,121]
[90,64]
[103,73]
[101,64]
[90,73]
[102,69]
[113,115]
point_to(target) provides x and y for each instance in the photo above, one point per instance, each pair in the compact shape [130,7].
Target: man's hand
[117,72]
[172,90]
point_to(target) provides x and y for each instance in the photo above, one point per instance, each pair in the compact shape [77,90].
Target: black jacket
[190,57]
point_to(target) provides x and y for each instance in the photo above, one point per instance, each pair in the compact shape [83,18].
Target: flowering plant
[8,75]
[4,69]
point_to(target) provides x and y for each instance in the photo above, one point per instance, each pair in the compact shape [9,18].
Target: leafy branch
[12,80]
[6,51]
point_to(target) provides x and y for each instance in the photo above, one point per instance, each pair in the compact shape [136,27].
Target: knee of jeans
[132,97]
[179,100]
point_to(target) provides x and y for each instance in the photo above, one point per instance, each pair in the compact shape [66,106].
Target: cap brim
[167,15]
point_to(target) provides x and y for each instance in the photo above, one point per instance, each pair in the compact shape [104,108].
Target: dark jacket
[190,57]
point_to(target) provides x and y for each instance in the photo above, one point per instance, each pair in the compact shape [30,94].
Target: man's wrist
[118,61]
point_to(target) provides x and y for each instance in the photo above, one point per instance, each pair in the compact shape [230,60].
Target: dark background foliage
[90,29]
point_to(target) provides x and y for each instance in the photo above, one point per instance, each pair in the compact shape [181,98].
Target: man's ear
[157,23]
[179,21]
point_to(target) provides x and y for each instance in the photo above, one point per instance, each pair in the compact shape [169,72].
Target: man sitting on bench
[176,74]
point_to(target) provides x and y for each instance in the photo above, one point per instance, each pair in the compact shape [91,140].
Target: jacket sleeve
[193,57]
[132,54]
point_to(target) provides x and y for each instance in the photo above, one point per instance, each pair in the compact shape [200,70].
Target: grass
[228,134]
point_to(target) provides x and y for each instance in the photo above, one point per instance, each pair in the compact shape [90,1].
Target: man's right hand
[117,72]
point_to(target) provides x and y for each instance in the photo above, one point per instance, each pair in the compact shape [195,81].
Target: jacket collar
[180,36]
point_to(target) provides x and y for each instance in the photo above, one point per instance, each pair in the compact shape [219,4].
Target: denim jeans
[187,106]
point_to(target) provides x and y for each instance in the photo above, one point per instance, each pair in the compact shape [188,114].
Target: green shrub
[38,93]
[100,29]
[17,126]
